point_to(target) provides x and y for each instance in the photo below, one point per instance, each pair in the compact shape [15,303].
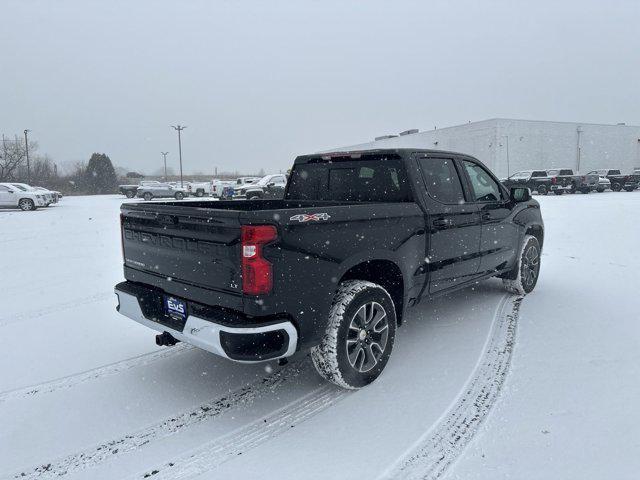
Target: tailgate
[194,246]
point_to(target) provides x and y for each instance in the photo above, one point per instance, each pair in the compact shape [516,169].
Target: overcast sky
[258,82]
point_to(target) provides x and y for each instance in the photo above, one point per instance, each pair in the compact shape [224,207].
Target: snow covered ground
[85,393]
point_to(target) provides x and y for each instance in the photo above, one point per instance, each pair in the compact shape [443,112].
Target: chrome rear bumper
[215,338]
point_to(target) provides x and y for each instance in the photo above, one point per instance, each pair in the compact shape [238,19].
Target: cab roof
[358,154]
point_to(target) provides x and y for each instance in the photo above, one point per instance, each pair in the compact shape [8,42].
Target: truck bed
[193,249]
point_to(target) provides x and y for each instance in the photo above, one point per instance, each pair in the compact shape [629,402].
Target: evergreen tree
[100,176]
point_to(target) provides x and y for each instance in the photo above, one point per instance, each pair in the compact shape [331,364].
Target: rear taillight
[554,180]
[122,234]
[257,272]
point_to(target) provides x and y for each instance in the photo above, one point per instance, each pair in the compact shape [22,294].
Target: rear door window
[442,180]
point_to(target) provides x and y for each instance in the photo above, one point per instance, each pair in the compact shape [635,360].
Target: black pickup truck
[564,180]
[535,180]
[618,180]
[358,238]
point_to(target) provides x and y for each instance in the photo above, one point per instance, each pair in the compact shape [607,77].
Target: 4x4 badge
[305,217]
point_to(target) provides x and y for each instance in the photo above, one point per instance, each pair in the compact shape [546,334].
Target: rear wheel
[629,189]
[147,196]
[359,337]
[616,187]
[542,189]
[180,195]
[26,204]
[199,193]
[524,276]
[600,189]
[129,194]
[559,191]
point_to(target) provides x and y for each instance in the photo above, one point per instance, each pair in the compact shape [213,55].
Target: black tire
[359,337]
[524,277]
[147,196]
[200,193]
[629,189]
[600,189]
[558,192]
[542,190]
[616,187]
[253,196]
[179,196]
[585,191]
[26,205]
[129,194]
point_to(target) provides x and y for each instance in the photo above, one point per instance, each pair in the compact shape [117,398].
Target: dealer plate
[175,307]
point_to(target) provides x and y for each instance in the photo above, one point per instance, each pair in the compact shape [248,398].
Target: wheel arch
[537,231]
[383,272]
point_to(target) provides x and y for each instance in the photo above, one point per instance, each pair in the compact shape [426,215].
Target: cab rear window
[382,180]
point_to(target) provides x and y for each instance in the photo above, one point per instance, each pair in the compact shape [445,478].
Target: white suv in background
[14,197]
[47,195]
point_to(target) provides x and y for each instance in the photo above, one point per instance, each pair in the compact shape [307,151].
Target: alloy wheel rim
[530,265]
[367,336]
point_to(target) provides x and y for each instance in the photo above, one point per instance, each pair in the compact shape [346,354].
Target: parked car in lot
[131,191]
[358,239]
[14,197]
[55,195]
[48,195]
[619,181]
[267,187]
[200,189]
[217,190]
[244,180]
[535,180]
[564,180]
[603,184]
[162,190]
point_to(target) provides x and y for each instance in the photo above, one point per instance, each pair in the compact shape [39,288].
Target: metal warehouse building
[508,146]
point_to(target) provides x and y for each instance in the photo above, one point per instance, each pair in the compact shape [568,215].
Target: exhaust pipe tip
[165,339]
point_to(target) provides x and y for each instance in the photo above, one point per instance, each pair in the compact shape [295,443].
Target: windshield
[264,181]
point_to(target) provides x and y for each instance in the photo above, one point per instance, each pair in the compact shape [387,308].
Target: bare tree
[12,155]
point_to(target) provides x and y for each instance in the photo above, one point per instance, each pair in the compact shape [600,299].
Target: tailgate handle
[442,222]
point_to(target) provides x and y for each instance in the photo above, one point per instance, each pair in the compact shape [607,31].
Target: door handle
[485,216]
[442,222]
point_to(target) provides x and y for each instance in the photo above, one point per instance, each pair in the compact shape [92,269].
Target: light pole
[179,128]
[578,152]
[507,142]
[164,154]
[26,145]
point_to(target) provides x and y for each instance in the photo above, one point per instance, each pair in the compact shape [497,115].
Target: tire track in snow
[106,370]
[438,448]
[215,453]
[100,453]
[56,308]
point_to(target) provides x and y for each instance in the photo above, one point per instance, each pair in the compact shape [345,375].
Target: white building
[508,146]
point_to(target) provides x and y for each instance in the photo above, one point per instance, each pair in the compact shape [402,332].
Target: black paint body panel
[192,250]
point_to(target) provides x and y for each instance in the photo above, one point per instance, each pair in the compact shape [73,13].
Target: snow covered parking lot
[479,384]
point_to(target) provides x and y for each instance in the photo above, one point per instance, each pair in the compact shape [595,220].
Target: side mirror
[520,194]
